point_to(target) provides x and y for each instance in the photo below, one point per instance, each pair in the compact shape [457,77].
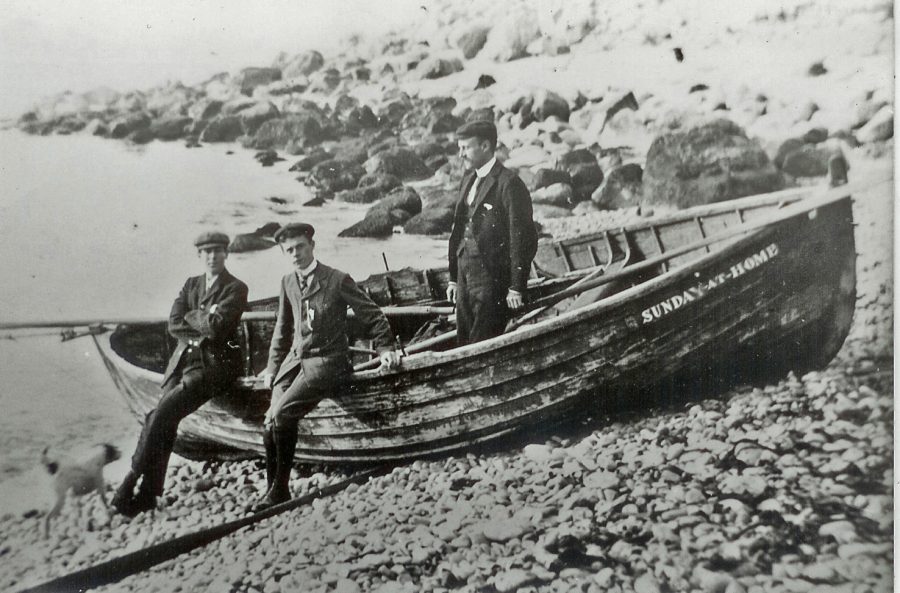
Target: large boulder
[436,217]
[291,130]
[705,163]
[250,78]
[472,39]
[547,177]
[303,64]
[557,194]
[311,159]
[435,67]
[205,109]
[370,189]
[509,38]
[395,208]
[128,124]
[169,128]
[400,198]
[335,175]
[226,128]
[879,128]
[622,188]
[256,115]
[585,171]
[244,243]
[539,106]
[401,162]
[378,224]
[810,160]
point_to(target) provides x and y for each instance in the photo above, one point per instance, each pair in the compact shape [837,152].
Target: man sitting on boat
[207,360]
[493,239]
[309,357]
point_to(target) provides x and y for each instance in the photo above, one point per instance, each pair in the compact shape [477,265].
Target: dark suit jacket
[214,333]
[502,223]
[314,323]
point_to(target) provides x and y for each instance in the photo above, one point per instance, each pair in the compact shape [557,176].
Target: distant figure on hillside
[204,319]
[493,239]
[309,358]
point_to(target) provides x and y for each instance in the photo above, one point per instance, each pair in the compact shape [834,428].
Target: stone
[256,115]
[313,158]
[472,39]
[705,163]
[547,177]
[223,129]
[370,189]
[843,532]
[647,583]
[585,180]
[512,580]
[879,128]
[250,78]
[434,67]
[290,130]
[345,585]
[303,64]
[128,124]
[335,175]
[558,194]
[621,188]
[170,128]
[401,162]
[810,160]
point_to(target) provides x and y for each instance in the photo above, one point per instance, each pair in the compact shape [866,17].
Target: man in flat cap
[309,357]
[204,319]
[493,239]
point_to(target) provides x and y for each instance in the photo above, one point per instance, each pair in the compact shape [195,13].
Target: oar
[392,311]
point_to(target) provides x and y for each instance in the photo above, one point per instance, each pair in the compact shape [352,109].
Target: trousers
[481,311]
[180,398]
[303,387]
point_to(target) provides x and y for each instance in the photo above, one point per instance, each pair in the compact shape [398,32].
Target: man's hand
[451,293]
[514,300]
[268,379]
[389,360]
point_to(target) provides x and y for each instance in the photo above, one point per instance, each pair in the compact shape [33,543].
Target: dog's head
[111,452]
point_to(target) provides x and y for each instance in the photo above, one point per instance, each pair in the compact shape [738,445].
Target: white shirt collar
[482,171]
[210,279]
[309,269]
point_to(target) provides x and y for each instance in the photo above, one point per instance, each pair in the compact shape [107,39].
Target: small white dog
[79,477]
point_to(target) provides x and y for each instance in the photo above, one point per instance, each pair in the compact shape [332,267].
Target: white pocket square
[488,207]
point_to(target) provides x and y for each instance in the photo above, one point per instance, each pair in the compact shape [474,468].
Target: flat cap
[482,129]
[294,229]
[211,238]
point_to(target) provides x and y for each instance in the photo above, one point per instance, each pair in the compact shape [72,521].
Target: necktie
[304,282]
[473,190]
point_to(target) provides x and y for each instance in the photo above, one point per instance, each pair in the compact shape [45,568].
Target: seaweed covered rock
[705,163]
[402,162]
[291,130]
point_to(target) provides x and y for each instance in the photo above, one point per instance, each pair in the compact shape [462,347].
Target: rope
[113,571]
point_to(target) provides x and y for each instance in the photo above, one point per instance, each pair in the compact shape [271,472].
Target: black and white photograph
[534,296]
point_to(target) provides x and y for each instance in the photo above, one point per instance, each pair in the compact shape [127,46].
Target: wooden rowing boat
[717,293]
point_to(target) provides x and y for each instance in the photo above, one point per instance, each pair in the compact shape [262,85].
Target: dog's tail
[52,466]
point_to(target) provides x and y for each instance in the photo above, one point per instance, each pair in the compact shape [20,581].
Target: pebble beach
[779,487]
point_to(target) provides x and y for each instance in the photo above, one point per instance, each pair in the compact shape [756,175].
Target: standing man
[207,360]
[493,239]
[309,358]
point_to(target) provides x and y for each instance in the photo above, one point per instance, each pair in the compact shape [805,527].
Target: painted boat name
[675,302]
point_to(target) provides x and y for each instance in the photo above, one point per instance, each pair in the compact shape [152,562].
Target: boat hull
[780,298]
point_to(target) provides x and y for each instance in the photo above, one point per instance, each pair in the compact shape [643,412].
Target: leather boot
[123,499]
[271,456]
[285,444]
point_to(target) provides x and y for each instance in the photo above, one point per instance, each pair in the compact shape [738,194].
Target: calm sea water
[96,228]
